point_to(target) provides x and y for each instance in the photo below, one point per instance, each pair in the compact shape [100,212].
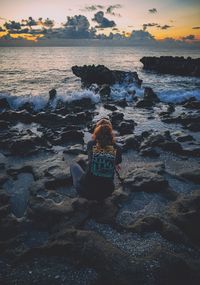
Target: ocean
[28,73]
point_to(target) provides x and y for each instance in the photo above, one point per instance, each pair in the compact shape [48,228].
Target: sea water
[28,73]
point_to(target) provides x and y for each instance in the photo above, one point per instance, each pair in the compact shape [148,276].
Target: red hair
[103,134]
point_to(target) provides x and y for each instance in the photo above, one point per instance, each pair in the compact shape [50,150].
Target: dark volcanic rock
[191,174]
[173,65]
[192,103]
[4,103]
[52,94]
[102,75]
[149,95]
[185,213]
[126,127]
[149,99]
[110,107]
[146,178]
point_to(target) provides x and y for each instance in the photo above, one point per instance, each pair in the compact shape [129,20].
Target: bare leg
[76,172]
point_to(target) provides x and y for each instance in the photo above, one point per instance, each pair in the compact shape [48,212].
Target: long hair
[103,135]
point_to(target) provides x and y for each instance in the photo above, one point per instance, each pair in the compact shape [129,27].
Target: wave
[174,96]
[39,102]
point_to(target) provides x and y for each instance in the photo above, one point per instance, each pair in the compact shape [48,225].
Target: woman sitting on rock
[104,157]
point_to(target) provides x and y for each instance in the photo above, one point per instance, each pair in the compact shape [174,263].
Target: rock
[146,178]
[131,142]
[173,65]
[90,249]
[144,104]
[46,212]
[105,90]
[4,124]
[4,104]
[28,107]
[110,107]
[72,135]
[149,95]
[102,75]
[52,94]
[185,138]
[126,127]
[82,103]
[116,118]
[191,175]
[23,147]
[75,149]
[192,103]
[122,103]
[185,213]
[149,151]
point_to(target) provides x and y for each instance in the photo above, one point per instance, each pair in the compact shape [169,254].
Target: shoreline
[140,233]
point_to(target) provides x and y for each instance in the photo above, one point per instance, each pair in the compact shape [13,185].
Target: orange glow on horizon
[27,37]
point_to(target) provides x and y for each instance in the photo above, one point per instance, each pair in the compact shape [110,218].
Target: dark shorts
[88,187]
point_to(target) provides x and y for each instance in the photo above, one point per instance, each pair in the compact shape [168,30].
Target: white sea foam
[40,101]
[178,96]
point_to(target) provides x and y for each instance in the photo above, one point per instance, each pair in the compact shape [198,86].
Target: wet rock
[82,103]
[149,99]
[192,103]
[116,118]
[46,212]
[131,142]
[149,95]
[173,65]
[17,116]
[191,149]
[149,151]
[110,107]
[75,149]
[146,178]
[105,91]
[27,107]
[4,104]
[72,135]
[144,104]
[191,175]
[102,75]
[126,127]
[185,213]
[52,94]
[23,147]
[4,124]
[185,138]
[122,103]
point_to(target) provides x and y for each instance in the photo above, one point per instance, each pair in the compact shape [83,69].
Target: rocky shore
[146,233]
[173,65]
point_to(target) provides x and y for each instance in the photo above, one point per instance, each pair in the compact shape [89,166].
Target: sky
[177,19]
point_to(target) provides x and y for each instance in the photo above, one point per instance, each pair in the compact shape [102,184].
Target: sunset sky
[170,18]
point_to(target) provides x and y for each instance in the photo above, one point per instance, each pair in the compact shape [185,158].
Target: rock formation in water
[173,65]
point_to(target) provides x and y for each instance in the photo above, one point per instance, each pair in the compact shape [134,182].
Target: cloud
[93,8]
[196,28]
[145,26]
[12,26]
[189,37]
[149,25]
[47,23]
[111,8]
[76,27]
[153,11]
[141,36]
[2,29]
[165,27]
[102,21]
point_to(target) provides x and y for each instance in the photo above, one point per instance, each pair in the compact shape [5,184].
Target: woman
[104,156]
